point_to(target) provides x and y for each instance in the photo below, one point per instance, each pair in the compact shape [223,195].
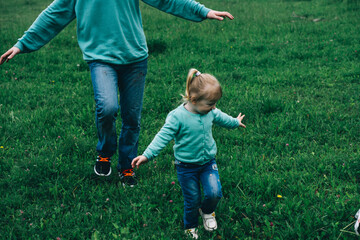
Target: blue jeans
[108,80]
[190,176]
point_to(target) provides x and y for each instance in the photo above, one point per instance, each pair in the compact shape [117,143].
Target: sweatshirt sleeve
[163,137]
[47,25]
[224,120]
[187,9]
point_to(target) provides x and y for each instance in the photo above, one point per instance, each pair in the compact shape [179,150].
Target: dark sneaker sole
[102,174]
[127,185]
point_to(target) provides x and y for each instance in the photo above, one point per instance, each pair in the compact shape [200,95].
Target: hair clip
[197,73]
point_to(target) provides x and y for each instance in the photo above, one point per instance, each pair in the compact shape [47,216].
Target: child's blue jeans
[190,177]
[108,80]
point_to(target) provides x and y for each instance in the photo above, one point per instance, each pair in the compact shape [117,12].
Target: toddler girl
[190,125]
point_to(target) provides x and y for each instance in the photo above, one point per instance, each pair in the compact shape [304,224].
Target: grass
[292,67]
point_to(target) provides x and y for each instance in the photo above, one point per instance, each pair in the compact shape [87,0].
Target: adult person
[112,40]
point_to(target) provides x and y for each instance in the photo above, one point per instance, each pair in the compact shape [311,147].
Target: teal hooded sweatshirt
[107,30]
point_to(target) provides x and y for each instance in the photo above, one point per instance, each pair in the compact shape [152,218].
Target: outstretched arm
[46,26]
[219,15]
[224,120]
[9,54]
[188,9]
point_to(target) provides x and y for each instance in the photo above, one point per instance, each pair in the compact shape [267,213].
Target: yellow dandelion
[1,146]
[279,196]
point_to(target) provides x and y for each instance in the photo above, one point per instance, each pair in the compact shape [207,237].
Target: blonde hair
[200,86]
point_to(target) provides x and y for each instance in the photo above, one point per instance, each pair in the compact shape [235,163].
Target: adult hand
[219,15]
[9,54]
[240,118]
[139,160]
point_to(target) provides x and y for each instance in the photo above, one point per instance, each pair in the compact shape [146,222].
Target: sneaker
[128,177]
[102,166]
[192,232]
[209,221]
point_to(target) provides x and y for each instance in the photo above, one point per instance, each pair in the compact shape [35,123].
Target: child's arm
[224,120]
[162,138]
[139,160]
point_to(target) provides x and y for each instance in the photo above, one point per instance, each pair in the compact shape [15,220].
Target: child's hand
[139,160]
[240,118]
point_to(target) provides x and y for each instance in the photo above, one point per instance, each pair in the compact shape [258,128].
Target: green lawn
[292,67]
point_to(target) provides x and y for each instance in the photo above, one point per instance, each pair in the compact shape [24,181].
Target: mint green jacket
[107,30]
[192,133]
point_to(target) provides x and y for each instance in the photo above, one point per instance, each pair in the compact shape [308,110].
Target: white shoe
[209,221]
[192,232]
